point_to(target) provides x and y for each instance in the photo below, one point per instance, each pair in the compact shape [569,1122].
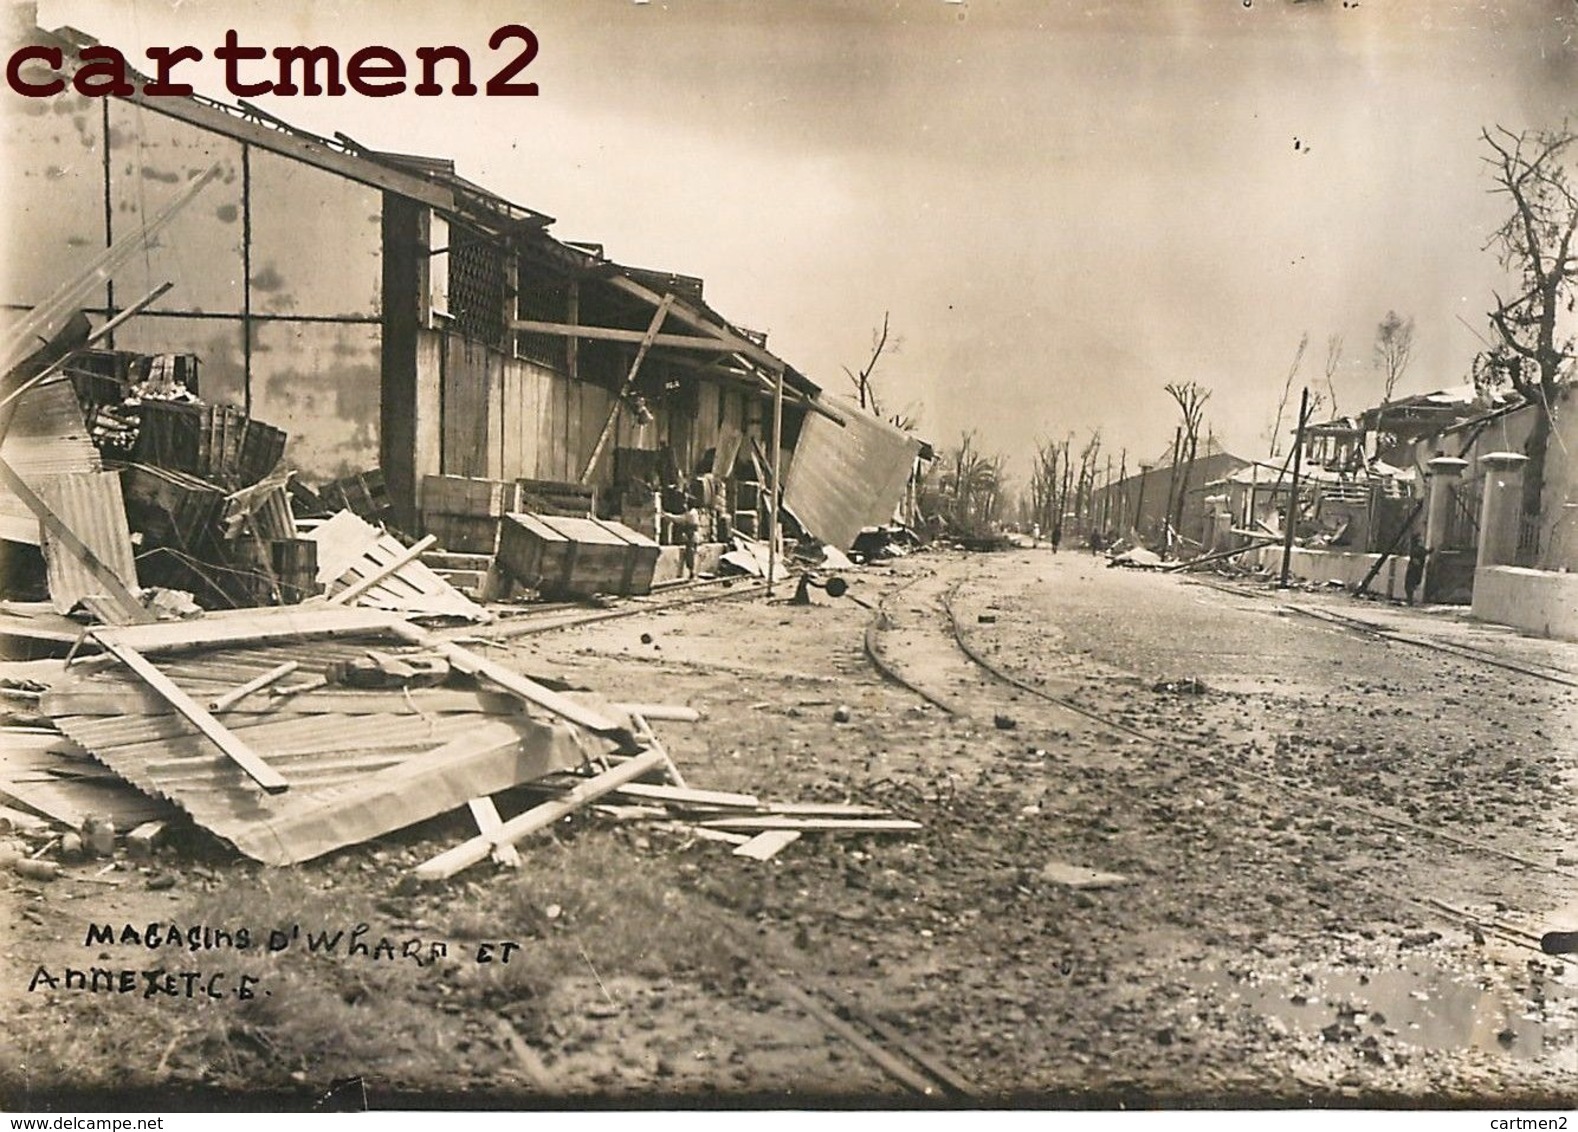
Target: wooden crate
[463,534]
[554,497]
[571,557]
[292,564]
[465,495]
[364,494]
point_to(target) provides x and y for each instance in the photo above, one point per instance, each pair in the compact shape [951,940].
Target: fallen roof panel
[352,776]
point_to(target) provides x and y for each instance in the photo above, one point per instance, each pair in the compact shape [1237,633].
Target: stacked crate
[464,513]
[570,557]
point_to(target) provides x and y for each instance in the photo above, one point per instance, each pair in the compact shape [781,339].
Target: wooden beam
[114,588]
[767,844]
[473,665]
[256,684]
[684,796]
[228,743]
[253,626]
[305,150]
[682,313]
[575,330]
[469,853]
[362,585]
[488,821]
[572,345]
[664,713]
[831,825]
[624,389]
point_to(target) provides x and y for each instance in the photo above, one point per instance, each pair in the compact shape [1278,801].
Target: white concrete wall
[1536,601]
[1347,567]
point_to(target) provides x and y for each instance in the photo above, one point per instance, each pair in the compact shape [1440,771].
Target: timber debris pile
[208,623]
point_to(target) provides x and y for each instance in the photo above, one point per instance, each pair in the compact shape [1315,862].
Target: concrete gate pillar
[1444,472]
[1498,515]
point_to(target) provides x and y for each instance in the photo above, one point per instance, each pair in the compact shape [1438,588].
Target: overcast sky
[1062,205]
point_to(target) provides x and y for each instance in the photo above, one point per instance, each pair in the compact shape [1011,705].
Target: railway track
[959,638]
[920,1071]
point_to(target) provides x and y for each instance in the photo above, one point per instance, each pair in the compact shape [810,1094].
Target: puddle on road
[1416,1006]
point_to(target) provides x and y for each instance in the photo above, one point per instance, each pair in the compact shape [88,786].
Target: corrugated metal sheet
[89,504]
[47,437]
[352,775]
[843,479]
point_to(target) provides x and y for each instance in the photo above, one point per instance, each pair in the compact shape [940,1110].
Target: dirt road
[1180,845]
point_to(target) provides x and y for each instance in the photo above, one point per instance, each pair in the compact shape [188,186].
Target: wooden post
[1139,506]
[630,379]
[1172,481]
[469,853]
[778,460]
[572,344]
[1293,495]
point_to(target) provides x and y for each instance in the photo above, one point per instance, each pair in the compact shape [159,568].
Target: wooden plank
[356,589]
[469,853]
[702,834]
[617,334]
[829,825]
[663,713]
[488,821]
[679,795]
[527,689]
[767,844]
[630,379]
[251,626]
[824,810]
[228,743]
[256,684]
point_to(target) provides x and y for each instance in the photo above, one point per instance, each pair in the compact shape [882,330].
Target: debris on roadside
[1188,687]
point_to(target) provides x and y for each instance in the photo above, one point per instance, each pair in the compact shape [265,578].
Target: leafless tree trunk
[862,380]
[1394,344]
[1535,242]
[1287,388]
[1333,360]
[1191,398]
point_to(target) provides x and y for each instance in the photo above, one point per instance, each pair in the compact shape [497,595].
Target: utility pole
[1291,517]
[777,495]
[1123,485]
[1172,482]
[1139,505]
[1106,499]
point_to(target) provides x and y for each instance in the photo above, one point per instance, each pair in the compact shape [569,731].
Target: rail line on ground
[957,635]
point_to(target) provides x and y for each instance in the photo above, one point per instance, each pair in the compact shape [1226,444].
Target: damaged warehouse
[442,406]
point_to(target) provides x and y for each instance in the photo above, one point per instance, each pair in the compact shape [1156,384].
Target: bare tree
[1394,345]
[1085,483]
[1045,503]
[1287,388]
[1536,244]
[1333,360]
[1191,398]
[862,380]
